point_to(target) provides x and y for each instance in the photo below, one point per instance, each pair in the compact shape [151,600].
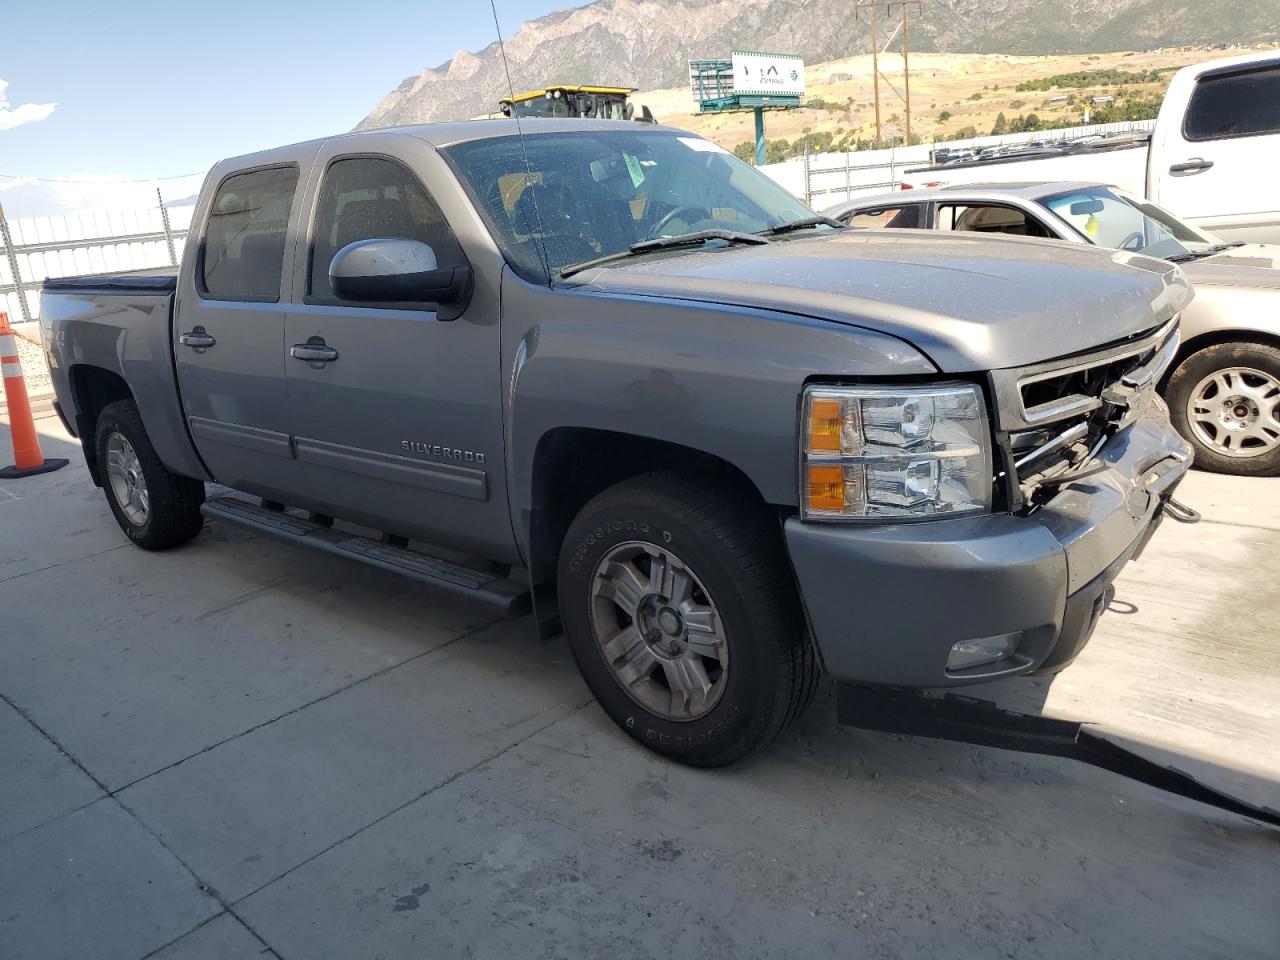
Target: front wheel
[1225,399]
[683,616]
[155,508]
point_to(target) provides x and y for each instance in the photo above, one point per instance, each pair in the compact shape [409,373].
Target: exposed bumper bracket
[967,720]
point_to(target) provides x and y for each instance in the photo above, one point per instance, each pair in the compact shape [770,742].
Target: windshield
[586,194]
[1112,218]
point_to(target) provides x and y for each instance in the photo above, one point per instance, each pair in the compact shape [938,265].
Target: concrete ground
[239,749]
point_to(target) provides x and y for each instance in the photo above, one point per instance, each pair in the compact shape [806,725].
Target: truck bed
[121,328]
[160,280]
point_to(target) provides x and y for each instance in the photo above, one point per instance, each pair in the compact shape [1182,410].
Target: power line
[175,176]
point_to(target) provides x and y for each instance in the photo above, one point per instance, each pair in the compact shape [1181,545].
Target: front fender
[722,381]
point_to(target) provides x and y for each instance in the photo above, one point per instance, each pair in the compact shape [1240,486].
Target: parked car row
[1210,158]
[1223,388]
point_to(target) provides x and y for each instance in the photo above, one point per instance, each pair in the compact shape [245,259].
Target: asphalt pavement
[241,749]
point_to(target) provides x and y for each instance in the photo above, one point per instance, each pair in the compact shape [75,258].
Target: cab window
[242,253]
[368,198]
[1245,104]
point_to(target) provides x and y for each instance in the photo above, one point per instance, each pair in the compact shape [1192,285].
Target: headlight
[894,452]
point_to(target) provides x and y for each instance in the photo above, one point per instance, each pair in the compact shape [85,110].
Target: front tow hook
[1180,511]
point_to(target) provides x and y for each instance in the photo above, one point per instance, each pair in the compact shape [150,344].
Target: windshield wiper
[1206,252]
[804,224]
[697,238]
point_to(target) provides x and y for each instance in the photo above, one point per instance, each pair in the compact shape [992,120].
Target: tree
[944,116]
[1001,126]
[745,151]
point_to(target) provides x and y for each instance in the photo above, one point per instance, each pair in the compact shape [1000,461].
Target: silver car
[1224,388]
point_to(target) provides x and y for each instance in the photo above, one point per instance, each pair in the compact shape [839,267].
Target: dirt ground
[939,82]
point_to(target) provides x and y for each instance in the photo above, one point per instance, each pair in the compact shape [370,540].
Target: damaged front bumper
[888,604]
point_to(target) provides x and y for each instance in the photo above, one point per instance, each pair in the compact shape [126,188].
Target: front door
[228,337]
[399,426]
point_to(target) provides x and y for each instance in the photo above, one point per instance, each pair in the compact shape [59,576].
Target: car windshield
[1112,218]
[586,194]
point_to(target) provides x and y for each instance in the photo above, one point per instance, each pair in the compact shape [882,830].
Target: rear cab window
[242,252]
[373,198]
[1237,104]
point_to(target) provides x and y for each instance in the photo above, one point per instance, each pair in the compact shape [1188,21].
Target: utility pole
[905,5]
[906,67]
[870,5]
[875,68]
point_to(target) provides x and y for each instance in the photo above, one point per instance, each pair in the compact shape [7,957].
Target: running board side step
[964,719]
[509,597]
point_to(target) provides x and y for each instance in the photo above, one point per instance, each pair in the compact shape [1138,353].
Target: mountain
[647,43]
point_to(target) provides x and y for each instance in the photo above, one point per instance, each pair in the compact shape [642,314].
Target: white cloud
[23,112]
[85,193]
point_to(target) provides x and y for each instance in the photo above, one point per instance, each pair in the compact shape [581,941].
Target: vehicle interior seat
[998,220]
[257,268]
[549,212]
[367,219]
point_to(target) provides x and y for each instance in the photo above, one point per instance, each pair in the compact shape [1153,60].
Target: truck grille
[1055,416]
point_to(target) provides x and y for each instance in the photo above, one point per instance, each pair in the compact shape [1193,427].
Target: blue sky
[153,89]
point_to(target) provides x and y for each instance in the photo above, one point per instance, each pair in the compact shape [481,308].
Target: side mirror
[1083,208]
[399,271]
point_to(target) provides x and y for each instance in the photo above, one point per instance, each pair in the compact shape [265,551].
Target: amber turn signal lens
[826,487]
[824,425]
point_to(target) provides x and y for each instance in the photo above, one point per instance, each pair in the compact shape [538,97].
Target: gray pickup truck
[611,374]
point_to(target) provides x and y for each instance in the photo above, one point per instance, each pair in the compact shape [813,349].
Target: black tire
[732,546]
[1191,373]
[173,516]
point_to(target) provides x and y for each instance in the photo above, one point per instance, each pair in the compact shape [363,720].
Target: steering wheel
[701,213]
[1133,241]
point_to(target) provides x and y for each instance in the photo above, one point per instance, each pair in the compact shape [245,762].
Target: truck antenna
[528,167]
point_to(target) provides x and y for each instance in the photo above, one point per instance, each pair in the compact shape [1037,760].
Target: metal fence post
[168,232]
[12,254]
[808,191]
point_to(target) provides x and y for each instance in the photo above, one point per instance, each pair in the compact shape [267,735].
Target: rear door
[402,429]
[1216,167]
[228,336]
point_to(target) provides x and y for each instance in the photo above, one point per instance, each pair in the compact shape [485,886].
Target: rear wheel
[683,617]
[155,508]
[1225,399]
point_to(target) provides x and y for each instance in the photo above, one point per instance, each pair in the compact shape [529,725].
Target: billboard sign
[767,74]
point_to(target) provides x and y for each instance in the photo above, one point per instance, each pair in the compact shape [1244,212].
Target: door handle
[314,351]
[1194,165]
[198,339]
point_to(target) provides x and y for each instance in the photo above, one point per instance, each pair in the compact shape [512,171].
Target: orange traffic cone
[28,459]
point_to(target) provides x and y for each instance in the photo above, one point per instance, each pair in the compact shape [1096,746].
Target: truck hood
[1255,265]
[968,302]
